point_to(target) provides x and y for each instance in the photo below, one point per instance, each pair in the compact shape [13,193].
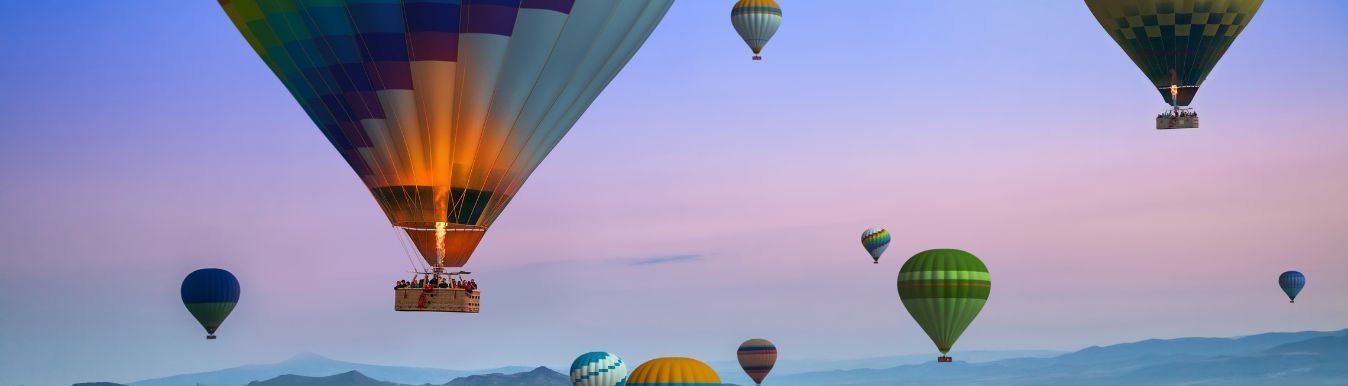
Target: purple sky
[704,198]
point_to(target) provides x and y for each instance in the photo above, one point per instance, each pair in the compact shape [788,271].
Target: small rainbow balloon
[875,240]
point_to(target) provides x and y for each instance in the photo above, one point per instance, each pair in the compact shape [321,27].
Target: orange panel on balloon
[458,244]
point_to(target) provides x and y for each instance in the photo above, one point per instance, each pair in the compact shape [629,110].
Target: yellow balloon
[673,371]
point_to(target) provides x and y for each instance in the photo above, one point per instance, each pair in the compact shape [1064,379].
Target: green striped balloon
[944,289]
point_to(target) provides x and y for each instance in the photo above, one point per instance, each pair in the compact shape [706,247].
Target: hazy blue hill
[1315,361]
[1302,358]
[1154,349]
[98,384]
[921,374]
[1328,345]
[350,378]
[1275,358]
[312,365]
[730,370]
[1280,338]
[541,376]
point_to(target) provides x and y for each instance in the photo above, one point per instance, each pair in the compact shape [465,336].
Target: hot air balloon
[944,289]
[876,240]
[756,357]
[598,369]
[756,21]
[1291,283]
[675,371]
[210,294]
[1175,43]
[444,107]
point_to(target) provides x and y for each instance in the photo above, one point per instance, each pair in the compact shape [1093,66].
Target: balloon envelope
[1291,283]
[756,21]
[876,240]
[598,369]
[1174,42]
[444,107]
[674,371]
[757,356]
[944,289]
[210,295]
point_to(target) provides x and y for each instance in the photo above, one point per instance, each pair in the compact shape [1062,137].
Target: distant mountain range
[1301,358]
[350,378]
[730,370]
[313,365]
[541,376]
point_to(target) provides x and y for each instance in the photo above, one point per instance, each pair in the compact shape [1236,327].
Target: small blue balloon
[1291,283]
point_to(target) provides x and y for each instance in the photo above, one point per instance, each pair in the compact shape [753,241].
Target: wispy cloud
[652,260]
[609,261]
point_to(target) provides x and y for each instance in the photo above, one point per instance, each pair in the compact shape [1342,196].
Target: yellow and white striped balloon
[756,21]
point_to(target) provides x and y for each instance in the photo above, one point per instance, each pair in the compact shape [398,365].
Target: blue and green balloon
[1292,282]
[210,294]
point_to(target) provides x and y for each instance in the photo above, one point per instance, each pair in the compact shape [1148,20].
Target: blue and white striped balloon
[598,369]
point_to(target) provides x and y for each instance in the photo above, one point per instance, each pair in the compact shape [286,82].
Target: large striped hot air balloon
[598,369]
[756,21]
[210,295]
[1292,282]
[673,371]
[757,356]
[444,107]
[944,289]
[1176,43]
[876,240]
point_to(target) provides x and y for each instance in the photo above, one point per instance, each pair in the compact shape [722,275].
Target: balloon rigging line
[552,135]
[378,166]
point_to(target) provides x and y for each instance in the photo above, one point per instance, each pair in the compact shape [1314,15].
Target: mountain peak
[312,364]
[307,356]
[541,376]
[349,378]
[1325,345]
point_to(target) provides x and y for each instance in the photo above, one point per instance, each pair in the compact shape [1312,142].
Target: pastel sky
[702,200]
